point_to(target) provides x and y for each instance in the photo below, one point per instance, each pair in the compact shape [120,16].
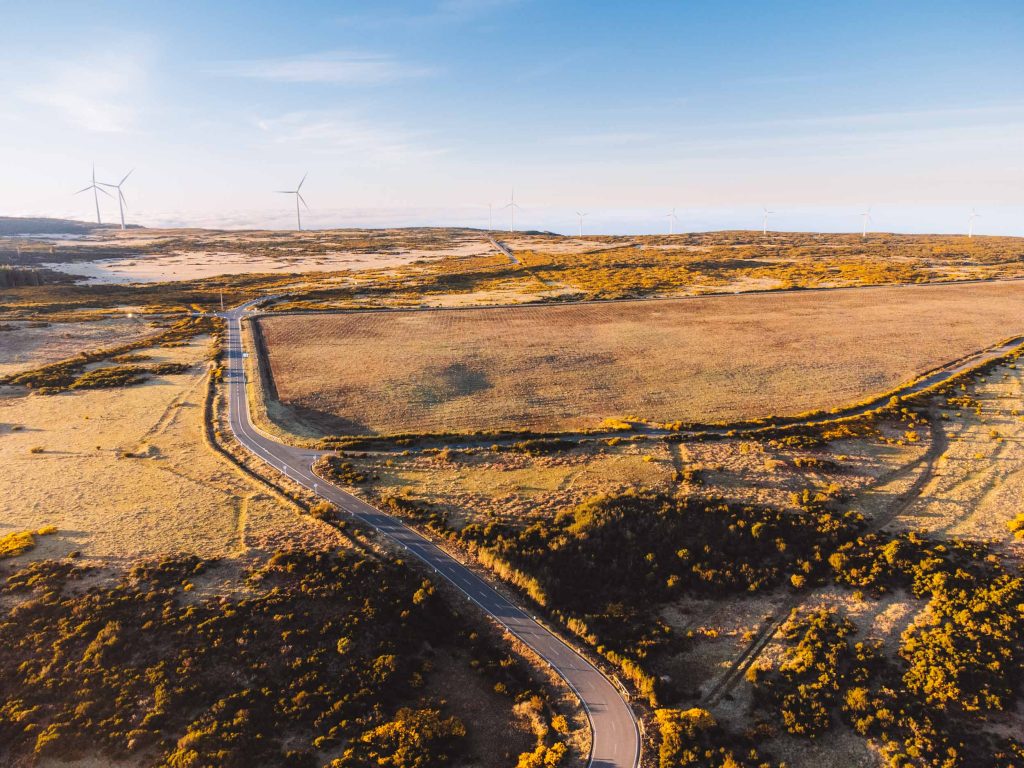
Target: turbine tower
[581,214]
[970,222]
[298,196]
[764,221]
[865,220]
[96,189]
[672,219]
[490,217]
[511,205]
[121,202]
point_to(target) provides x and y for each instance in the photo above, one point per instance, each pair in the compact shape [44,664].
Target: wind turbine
[121,202]
[672,219]
[512,206]
[490,217]
[865,219]
[96,189]
[298,196]
[970,222]
[764,222]
[581,214]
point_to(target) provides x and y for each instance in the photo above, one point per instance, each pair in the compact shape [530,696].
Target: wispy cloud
[339,67]
[98,92]
[337,132]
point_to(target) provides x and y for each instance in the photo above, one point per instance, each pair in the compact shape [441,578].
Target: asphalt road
[616,736]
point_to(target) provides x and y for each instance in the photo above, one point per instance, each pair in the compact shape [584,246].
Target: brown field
[568,367]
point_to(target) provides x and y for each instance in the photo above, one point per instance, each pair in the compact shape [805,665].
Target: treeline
[321,660]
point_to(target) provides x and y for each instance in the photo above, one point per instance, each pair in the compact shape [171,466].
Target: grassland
[712,359]
[124,473]
[26,345]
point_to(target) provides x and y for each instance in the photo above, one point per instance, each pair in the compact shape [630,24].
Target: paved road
[616,738]
[504,249]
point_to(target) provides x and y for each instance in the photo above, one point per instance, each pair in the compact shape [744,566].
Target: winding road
[614,729]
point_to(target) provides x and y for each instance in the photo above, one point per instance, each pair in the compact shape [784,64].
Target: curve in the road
[615,732]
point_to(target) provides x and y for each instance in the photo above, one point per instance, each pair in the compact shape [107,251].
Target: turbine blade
[101,189]
[84,189]
[303,181]
[126,176]
[303,200]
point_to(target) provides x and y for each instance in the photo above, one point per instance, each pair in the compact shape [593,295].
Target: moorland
[836,593]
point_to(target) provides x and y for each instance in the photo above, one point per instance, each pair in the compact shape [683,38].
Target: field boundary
[556,302]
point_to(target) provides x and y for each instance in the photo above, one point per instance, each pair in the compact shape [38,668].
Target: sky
[417,113]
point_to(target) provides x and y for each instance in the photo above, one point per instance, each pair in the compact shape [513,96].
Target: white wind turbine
[672,219]
[970,222]
[865,220]
[764,221]
[511,205]
[121,202]
[581,215]
[490,217]
[298,196]
[96,189]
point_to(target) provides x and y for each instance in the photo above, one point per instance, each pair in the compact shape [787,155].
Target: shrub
[16,543]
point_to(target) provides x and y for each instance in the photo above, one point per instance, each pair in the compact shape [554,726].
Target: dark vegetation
[958,664]
[19,277]
[588,565]
[21,225]
[337,469]
[323,659]
[929,704]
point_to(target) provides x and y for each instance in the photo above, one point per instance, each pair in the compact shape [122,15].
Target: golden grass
[571,367]
[125,473]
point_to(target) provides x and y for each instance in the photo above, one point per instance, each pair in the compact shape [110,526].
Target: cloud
[339,67]
[97,92]
[342,133]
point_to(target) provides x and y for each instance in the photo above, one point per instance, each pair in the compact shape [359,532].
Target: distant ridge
[18,225]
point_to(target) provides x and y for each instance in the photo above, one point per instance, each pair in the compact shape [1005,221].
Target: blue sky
[423,112]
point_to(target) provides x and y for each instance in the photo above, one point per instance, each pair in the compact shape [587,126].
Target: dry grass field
[977,485]
[173,495]
[106,256]
[570,367]
[26,345]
